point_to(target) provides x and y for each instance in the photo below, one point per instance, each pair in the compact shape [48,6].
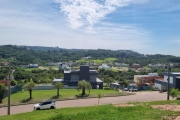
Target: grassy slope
[98,60]
[39,95]
[142,111]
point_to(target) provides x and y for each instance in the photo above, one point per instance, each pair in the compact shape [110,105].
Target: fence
[14,89]
[50,87]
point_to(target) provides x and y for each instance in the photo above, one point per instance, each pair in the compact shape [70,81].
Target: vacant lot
[139,111]
[39,95]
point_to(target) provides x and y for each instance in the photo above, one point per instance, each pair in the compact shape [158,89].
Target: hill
[42,55]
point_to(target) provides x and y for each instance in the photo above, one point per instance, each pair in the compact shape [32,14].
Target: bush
[106,88]
[175,93]
[154,88]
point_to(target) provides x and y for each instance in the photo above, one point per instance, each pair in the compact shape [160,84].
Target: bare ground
[168,107]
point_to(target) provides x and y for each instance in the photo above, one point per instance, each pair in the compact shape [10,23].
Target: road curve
[138,97]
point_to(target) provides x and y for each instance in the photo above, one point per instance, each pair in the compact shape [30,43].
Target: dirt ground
[168,107]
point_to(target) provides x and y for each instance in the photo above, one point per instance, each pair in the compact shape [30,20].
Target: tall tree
[83,84]
[3,90]
[58,86]
[29,86]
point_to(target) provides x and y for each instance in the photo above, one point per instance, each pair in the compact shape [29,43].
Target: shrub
[106,88]
[153,88]
[175,93]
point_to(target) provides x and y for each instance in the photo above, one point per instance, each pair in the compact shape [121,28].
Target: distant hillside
[42,55]
[43,48]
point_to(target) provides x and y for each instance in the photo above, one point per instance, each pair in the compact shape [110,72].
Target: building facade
[71,78]
[174,81]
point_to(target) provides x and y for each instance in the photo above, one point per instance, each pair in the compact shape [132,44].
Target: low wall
[50,87]
[14,89]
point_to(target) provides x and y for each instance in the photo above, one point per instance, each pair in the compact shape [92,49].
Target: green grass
[30,69]
[147,68]
[99,61]
[104,112]
[39,95]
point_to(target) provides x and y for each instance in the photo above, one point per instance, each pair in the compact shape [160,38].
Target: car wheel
[38,109]
[52,107]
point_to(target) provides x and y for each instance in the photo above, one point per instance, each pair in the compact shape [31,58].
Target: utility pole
[168,82]
[10,76]
[9,91]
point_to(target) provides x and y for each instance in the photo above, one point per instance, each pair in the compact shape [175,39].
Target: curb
[33,102]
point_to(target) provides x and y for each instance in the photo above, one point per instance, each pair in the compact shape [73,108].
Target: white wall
[166,77]
[160,87]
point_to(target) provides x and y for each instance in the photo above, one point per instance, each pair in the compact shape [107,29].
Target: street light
[9,89]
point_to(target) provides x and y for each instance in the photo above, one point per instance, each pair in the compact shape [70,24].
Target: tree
[38,81]
[124,83]
[99,97]
[3,90]
[29,86]
[58,86]
[83,84]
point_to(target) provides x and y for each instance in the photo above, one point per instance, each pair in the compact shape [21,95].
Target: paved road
[138,97]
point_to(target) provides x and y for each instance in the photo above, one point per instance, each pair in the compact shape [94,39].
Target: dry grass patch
[123,105]
[167,107]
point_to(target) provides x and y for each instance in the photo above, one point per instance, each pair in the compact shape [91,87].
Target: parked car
[125,89]
[133,89]
[48,104]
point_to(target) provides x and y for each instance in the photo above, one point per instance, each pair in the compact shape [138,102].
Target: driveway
[138,97]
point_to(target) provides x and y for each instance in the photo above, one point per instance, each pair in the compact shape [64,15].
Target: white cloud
[85,13]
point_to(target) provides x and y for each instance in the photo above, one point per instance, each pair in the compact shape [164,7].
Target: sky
[144,26]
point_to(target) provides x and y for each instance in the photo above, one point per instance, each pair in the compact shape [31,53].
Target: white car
[48,104]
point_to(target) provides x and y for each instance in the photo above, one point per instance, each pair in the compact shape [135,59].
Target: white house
[104,66]
[64,66]
[33,65]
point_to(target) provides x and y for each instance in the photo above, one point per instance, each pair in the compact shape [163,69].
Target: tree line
[22,55]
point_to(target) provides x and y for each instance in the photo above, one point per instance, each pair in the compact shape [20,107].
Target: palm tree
[3,90]
[29,86]
[58,86]
[83,84]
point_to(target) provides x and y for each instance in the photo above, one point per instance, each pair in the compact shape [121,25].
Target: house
[86,58]
[117,64]
[136,66]
[64,66]
[125,65]
[71,78]
[104,66]
[160,66]
[33,65]
[161,83]
[4,64]
[5,82]
[142,80]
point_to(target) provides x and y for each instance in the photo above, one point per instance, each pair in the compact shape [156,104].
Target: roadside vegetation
[39,95]
[138,111]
